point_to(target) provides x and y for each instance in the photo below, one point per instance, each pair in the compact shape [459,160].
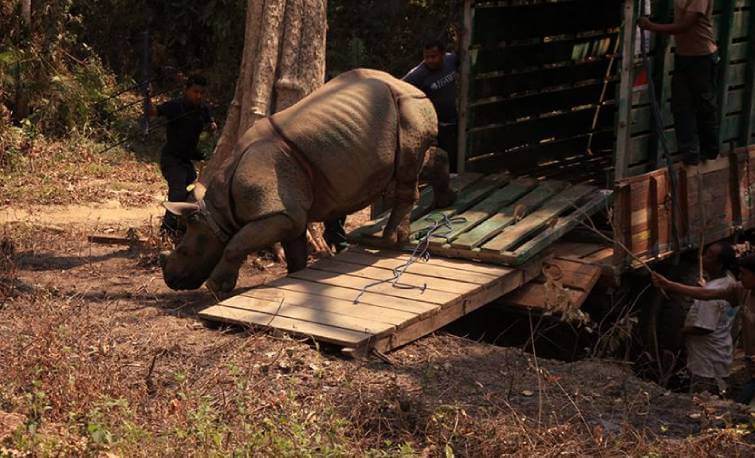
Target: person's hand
[659,281]
[645,24]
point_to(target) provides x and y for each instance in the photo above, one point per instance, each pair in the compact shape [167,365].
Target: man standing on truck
[707,328]
[693,86]
[186,118]
[437,77]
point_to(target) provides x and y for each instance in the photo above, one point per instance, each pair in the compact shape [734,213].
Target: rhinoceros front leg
[252,237]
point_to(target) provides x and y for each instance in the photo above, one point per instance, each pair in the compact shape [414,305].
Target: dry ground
[97,356]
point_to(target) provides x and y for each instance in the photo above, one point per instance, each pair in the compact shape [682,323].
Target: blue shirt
[439,86]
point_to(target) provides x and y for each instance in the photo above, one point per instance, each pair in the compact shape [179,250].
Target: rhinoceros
[333,153]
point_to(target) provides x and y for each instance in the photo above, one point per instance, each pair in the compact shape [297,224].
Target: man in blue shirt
[437,77]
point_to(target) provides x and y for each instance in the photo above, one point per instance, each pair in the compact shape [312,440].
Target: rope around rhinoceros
[439,228]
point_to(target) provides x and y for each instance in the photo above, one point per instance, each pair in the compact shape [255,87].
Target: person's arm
[412,77]
[694,292]
[680,25]
[166,109]
[208,119]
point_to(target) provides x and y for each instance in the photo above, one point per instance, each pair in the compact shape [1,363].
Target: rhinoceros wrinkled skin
[334,152]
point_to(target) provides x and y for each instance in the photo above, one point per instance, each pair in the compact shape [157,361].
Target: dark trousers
[448,136]
[179,173]
[695,107]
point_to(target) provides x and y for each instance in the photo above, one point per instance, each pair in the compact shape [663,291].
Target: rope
[657,116]
[444,224]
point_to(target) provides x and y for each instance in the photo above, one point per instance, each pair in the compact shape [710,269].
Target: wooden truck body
[558,89]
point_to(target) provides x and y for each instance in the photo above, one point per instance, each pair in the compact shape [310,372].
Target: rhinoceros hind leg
[435,171]
[397,230]
[296,253]
[252,237]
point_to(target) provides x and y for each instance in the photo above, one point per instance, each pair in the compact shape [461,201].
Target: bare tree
[283,61]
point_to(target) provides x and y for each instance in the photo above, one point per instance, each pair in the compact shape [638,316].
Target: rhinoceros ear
[181,208]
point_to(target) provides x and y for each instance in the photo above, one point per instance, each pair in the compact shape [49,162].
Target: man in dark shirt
[186,118]
[437,76]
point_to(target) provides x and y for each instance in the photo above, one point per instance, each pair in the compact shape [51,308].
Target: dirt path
[108,213]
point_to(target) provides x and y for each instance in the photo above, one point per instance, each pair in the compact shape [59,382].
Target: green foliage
[386,34]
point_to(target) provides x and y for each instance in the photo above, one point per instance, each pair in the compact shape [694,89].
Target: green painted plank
[485,209]
[373,227]
[562,226]
[556,205]
[505,217]
[748,97]
[472,195]
[661,67]
[641,144]
[737,74]
[726,24]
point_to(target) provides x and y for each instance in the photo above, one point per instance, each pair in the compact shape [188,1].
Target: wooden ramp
[319,302]
[496,218]
[349,300]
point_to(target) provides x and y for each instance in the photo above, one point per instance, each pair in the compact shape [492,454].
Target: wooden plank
[278,296]
[472,195]
[466,74]
[683,205]
[452,312]
[532,296]
[419,308]
[735,180]
[600,257]
[507,217]
[575,274]
[531,223]
[467,266]
[748,125]
[653,217]
[562,226]
[622,223]
[408,277]
[372,227]
[117,240]
[427,269]
[662,63]
[357,284]
[312,315]
[725,34]
[623,131]
[338,336]
[485,209]
[575,250]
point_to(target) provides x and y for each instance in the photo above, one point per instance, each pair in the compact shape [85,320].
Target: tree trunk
[26,12]
[282,62]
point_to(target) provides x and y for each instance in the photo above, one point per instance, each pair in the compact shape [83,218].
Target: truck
[568,89]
